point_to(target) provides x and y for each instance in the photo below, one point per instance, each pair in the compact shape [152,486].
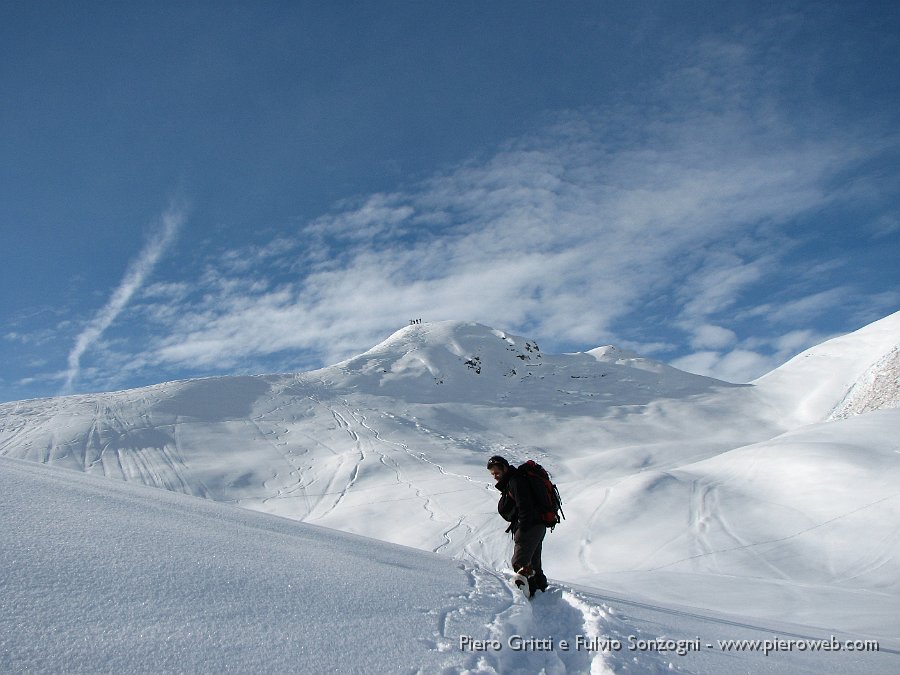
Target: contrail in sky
[138,271]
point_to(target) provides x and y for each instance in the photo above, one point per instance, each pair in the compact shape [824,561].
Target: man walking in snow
[519,507]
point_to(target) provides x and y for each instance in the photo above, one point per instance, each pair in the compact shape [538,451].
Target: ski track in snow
[296,470]
[365,442]
[377,441]
[707,550]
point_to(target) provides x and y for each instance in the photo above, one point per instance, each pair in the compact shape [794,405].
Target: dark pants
[527,549]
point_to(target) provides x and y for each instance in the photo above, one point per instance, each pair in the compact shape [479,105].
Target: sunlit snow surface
[98,576]
[768,503]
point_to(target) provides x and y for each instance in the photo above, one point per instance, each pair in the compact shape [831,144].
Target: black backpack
[545,492]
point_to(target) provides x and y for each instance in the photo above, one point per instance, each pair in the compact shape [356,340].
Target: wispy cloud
[619,225]
[555,234]
[565,239]
[136,274]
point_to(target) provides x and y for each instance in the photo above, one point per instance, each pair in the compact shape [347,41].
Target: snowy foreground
[101,576]
[706,511]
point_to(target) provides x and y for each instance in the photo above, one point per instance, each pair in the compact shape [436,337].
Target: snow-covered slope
[98,576]
[805,526]
[847,375]
[678,488]
[101,576]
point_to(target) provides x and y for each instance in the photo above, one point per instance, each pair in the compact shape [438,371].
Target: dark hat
[497,460]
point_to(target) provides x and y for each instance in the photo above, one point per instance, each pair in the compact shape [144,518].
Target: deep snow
[103,576]
[772,502]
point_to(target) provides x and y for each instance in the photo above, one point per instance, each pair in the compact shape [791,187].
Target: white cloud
[712,337]
[751,358]
[136,274]
[885,226]
[738,365]
[557,234]
[718,281]
[797,341]
[564,234]
[379,215]
[810,305]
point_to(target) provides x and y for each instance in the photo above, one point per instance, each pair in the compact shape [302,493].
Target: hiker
[519,506]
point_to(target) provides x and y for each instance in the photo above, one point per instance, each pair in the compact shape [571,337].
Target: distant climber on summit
[528,505]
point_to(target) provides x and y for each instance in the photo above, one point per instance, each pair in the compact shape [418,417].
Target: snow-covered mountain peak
[460,338]
[626,357]
[458,360]
[442,353]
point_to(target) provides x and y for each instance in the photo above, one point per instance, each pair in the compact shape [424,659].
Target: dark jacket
[517,505]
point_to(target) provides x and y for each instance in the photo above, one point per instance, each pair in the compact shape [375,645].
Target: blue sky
[191,189]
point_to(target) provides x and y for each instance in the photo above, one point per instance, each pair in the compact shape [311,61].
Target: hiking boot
[537,582]
[522,580]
